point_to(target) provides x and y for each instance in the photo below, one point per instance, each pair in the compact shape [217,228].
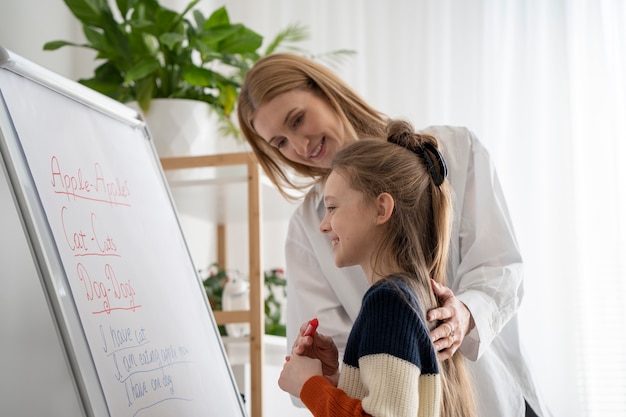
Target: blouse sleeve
[488,278]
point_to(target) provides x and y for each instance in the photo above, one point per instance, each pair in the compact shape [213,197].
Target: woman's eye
[330,208]
[281,143]
[297,121]
[278,143]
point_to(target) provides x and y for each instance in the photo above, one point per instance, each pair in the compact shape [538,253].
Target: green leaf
[140,23]
[213,36]
[97,39]
[291,34]
[218,18]
[201,77]
[54,45]
[242,40]
[189,7]
[109,73]
[144,93]
[147,44]
[90,12]
[169,21]
[171,40]
[124,6]
[142,69]
[199,18]
[228,98]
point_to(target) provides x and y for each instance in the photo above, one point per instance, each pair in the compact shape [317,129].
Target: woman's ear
[385,204]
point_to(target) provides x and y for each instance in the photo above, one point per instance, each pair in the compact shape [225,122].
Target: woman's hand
[318,346]
[455,323]
[296,371]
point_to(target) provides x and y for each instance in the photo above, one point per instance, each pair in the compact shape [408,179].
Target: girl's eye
[330,209]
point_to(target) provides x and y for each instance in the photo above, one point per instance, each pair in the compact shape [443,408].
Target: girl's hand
[318,346]
[296,371]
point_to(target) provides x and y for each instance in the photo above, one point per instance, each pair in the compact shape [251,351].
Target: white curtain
[542,83]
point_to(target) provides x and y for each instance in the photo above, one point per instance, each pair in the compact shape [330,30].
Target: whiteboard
[130,310]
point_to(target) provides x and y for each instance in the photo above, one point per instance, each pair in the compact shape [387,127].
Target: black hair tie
[438,175]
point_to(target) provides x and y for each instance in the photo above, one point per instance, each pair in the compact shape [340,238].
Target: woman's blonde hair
[283,72]
[410,167]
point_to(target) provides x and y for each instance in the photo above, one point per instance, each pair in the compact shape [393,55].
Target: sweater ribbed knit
[389,366]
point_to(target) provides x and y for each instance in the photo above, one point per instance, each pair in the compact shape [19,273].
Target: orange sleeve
[325,400]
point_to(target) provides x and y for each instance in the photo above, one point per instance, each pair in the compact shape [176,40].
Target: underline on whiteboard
[108,310]
[99,254]
[153,369]
[98,200]
[129,347]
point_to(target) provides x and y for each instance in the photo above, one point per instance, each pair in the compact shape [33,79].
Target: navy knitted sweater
[390,366]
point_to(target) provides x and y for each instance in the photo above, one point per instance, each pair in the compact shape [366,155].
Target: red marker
[310,329]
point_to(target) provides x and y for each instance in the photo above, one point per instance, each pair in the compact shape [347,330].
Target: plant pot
[181,127]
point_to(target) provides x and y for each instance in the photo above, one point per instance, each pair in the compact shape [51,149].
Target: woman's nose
[301,146]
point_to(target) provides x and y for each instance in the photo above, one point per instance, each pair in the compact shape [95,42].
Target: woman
[296,115]
[388,210]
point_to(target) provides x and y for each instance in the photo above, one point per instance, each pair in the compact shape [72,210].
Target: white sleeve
[488,279]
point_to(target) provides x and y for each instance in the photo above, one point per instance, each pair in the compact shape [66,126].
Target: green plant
[214,285]
[150,51]
[275,295]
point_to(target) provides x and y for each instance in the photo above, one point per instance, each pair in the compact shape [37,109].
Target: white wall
[26,25]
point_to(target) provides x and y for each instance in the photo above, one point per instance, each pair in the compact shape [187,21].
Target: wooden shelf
[222,185]
[234,316]
[219,193]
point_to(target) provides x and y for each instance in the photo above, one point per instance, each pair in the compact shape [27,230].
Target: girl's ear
[385,204]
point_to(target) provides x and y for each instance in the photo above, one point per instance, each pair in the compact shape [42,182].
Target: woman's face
[303,127]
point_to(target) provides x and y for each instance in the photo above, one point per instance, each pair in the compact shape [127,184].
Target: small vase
[236,296]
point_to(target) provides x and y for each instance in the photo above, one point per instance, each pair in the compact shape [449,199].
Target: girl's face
[303,126]
[350,223]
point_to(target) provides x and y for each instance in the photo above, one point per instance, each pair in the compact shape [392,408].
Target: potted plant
[149,51]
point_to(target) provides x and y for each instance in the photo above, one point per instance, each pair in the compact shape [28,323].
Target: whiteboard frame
[40,238]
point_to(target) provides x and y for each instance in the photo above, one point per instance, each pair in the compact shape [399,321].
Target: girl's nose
[324,226]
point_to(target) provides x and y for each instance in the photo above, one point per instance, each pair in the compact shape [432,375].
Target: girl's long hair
[279,73]
[417,235]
